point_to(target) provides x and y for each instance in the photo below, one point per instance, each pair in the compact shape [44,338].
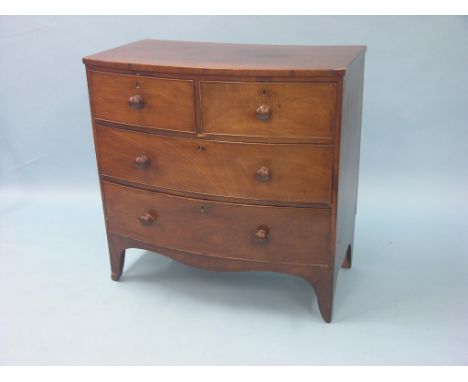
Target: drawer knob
[263,174]
[136,102]
[263,112]
[262,233]
[146,219]
[142,162]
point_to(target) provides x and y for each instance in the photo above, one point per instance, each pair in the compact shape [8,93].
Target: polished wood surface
[201,58]
[237,231]
[268,110]
[143,101]
[287,173]
[349,143]
[230,157]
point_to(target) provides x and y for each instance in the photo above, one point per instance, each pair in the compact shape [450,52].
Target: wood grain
[296,173]
[295,235]
[294,110]
[202,58]
[167,104]
[349,144]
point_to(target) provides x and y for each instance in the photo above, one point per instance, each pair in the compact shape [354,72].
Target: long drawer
[265,172]
[257,233]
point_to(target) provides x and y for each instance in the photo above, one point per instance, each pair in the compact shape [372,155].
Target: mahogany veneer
[230,157]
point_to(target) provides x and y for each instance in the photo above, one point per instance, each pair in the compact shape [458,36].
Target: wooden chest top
[228,59]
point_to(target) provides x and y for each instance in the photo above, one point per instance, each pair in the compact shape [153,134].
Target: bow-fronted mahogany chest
[230,157]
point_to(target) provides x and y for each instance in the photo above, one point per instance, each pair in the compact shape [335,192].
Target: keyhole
[264,92]
[137,84]
[202,209]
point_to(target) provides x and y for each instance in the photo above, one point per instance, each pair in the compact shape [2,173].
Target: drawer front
[264,172]
[261,233]
[269,110]
[143,101]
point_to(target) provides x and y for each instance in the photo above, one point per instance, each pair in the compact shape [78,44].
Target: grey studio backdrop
[404,300]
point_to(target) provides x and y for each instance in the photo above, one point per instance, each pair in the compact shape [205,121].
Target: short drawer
[266,172]
[276,110]
[143,101]
[260,233]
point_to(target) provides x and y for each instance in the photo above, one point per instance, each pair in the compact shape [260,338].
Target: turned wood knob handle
[263,112]
[142,162]
[136,102]
[263,174]
[262,233]
[147,219]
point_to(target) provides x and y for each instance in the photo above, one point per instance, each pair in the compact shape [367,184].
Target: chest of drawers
[230,157]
